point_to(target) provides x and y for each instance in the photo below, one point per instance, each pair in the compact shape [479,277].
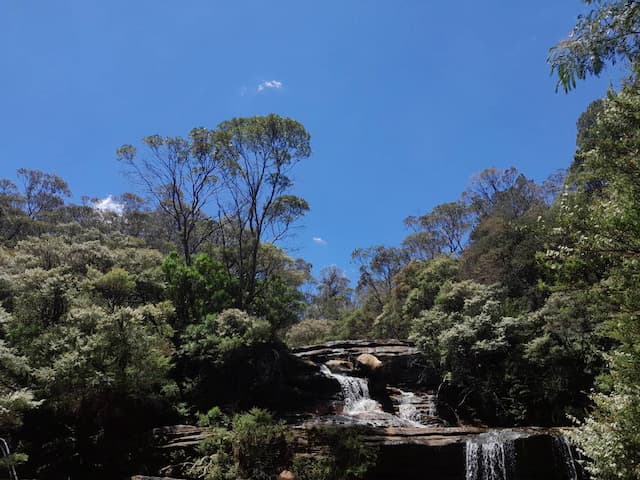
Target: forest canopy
[521,295]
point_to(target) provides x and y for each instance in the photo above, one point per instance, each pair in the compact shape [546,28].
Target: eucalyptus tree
[607,34]
[41,192]
[182,176]
[379,266]
[334,295]
[257,206]
[442,230]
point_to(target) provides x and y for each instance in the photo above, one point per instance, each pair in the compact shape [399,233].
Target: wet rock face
[468,453]
[400,361]
[340,366]
[383,349]
[267,376]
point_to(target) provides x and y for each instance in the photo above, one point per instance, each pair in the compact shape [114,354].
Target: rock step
[420,406]
[179,436]
[382,349]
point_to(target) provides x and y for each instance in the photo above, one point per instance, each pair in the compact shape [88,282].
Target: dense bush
[219,335]
[309,332]
[347,456]
[249,446]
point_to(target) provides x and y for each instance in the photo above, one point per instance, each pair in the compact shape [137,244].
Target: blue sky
[404,100]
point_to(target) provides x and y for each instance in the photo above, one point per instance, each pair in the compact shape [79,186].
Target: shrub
[252,446]
[309,332]
[348,457]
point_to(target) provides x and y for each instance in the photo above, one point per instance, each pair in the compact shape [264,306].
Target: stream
[492,455]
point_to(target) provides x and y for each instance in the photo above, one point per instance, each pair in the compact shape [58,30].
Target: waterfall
[562,448]
[413,407]
[4,449]
[490,456]
[407,407]
[355,392]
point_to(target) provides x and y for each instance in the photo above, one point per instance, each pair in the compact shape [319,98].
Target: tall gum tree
[257,207]
[181,175]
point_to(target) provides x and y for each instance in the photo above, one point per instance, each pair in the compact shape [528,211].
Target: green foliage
[216,460]
[15,398]
[333,297]
[314,467]
[251,446]
[213,418]
[504,242]
[258,154]
[79,316]
[220,335]
[441,231]
[525,369]
[348,457]
[609,436]
[596,250]
[197,290]
[182,176]
[309,332]
[608,33]
[279,302]
[260,447]
[355,324]
[42,193]
[414,290]
[13,460]
[116,286]
[378,267]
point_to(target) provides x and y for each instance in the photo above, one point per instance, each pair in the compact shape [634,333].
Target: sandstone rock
[402,362]
[383,349]
[368,362]
[339,366]
[287,475]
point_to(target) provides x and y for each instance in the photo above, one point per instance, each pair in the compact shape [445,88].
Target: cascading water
[490,456]
[359,407]
[414,407]
[407,408]
[355,392]
[562,449]
[4,449]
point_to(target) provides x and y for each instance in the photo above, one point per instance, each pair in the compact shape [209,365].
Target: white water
[412,407]
[407,407]
[355,392]
[488,461]
[4,449]
[361,408]
[490,456]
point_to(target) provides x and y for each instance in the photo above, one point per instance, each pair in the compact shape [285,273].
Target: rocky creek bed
[382,388]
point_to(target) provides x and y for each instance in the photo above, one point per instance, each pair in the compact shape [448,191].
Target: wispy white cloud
[272,84]
[320,241]
[109,204]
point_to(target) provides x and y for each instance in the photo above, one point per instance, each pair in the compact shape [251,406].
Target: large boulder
[402,363]
[368,362]
[287,475]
